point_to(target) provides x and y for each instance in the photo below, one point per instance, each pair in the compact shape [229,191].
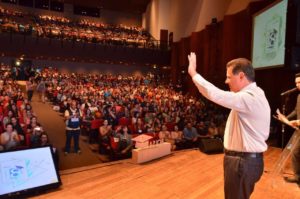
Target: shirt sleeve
[240,101]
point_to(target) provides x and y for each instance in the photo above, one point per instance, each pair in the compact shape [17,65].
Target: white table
[151,152]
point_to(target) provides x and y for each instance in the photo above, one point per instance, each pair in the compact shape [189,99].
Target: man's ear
[241,75]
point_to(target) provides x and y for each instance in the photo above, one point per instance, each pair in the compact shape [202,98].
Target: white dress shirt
[248,124]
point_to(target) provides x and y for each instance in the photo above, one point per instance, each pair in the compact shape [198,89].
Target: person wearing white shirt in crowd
[247,127]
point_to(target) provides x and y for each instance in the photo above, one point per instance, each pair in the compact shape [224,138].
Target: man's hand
[281,117]
[15,138]
[294,123]
[192,64]
[284,119]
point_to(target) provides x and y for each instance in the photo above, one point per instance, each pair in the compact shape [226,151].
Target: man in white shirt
[247,126]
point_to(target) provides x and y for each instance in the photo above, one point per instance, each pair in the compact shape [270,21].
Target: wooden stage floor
[182,175]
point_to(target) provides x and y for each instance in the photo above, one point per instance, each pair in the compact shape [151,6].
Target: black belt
[243,154]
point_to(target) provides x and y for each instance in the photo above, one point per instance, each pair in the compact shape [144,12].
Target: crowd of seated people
[117,108]
[15,21]
[66,29]
[19,127]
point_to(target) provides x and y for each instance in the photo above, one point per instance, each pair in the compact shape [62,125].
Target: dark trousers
[93,136]
[75,135]
[296,160]
[240,175]
[29,95]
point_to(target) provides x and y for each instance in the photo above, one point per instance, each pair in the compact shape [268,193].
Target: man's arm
[3,140]
[293,114]
[192,64]
[67,115]
[15,137]
[240,101]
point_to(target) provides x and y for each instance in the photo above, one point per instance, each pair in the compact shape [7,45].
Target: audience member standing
[73,119]
[30,88]
[41,89]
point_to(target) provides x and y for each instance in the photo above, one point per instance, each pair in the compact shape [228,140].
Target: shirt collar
[249,86]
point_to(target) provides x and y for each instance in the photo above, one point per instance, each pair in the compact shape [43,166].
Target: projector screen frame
[285,38]
[38,189]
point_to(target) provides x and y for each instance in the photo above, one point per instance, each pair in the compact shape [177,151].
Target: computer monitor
[27,171]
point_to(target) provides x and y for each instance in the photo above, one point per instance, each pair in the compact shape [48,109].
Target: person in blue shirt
[190,136]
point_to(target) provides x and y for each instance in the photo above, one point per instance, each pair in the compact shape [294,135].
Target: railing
[36,47]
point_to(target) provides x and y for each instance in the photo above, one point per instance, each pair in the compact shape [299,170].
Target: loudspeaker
[211,145]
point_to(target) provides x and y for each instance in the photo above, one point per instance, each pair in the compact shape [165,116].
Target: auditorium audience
[115,108]
[66,29]
[16,115]
[137,104]
[145,108]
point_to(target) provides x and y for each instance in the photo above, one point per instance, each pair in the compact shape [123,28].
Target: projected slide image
[269,36]
[21,173]
[272,42]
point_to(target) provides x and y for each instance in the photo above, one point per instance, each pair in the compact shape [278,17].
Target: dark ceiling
[131,6]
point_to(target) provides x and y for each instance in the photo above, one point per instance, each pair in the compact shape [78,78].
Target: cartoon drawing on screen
[17,173]
[272,35]
[271,40]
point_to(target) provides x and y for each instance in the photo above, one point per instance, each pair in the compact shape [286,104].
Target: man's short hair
[9,124]
[297,75]
[242,65]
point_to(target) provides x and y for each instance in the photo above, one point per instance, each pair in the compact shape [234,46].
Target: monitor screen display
[23,171]
[268,41]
